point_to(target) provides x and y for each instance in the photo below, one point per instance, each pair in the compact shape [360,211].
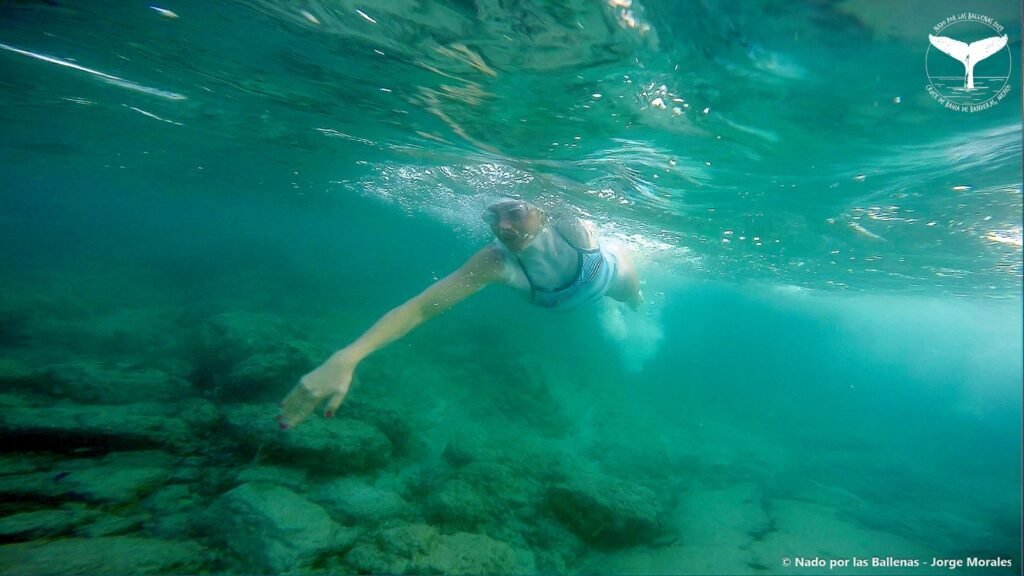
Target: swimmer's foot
[636,300]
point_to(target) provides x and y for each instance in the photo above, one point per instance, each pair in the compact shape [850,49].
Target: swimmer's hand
[331,380]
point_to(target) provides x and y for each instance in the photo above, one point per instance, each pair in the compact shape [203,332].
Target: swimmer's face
[514,222]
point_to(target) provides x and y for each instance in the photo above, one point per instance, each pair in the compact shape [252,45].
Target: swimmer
[556,262]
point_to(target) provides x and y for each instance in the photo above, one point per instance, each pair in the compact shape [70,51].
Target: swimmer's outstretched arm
[333,378]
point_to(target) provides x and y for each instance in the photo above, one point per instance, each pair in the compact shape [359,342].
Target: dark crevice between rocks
[16,502]
[14,330]
[758,566]
[761,533]
[78,443]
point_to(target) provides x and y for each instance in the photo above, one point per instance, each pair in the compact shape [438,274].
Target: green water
[198,209]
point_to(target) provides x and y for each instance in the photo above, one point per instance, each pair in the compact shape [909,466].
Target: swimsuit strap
[576,248]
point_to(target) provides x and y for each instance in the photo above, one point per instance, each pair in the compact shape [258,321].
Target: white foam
[637,334]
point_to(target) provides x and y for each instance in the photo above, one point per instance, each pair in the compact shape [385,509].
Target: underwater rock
[263,375]
[354,500]
[272,529]
[231,337]
[388,421]
[118,478]
[25,463]
[524,389]
[463,449]
[249,357]
[109,555]
[293,478]
[420,549]
[110,525]
[396,550]
[117,485]
[484,495]
[14,372]
[174,526]
[456,505]
[501,482]
[464,553]
[41,523]
[94,382]
[170,499]
[28,424]
[33,487]
[607,512]
[170,511]
[486,498]
[335,445]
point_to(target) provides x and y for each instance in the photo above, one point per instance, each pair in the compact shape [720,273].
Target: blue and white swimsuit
[595,271]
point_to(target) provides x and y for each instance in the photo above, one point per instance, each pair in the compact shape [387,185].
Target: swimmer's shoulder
[511,272]
[579,232]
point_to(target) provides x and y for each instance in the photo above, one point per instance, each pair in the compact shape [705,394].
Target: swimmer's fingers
[296,406]
[333,403]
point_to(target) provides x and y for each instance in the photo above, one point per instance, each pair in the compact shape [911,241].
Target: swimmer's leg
[626,286]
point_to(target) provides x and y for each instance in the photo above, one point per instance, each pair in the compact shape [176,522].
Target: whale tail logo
[969,54]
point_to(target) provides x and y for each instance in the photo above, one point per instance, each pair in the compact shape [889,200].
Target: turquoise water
[200,205]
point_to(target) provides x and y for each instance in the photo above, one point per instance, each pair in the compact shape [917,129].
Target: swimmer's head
[515,222]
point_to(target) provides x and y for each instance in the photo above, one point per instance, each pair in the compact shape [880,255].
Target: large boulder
[109,555]
[607,512]
[272,529]
[335,445]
